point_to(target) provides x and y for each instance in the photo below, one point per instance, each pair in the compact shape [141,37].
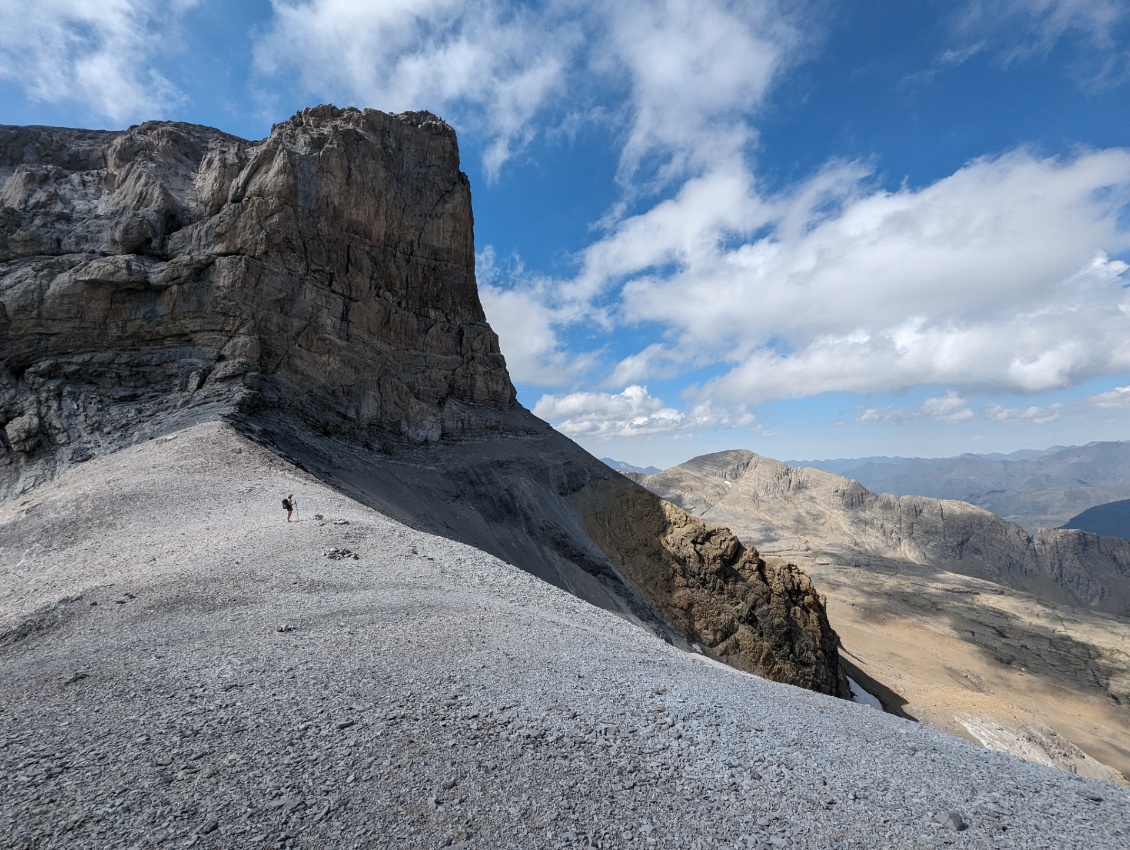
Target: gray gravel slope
[179,667]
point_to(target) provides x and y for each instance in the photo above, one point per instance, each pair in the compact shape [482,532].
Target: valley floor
[1048,683]
[181,667]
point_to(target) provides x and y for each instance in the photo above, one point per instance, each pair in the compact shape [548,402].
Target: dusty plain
[1048,682]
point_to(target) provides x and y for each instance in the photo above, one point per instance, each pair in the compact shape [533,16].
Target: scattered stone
[951,820]
[23,432]
[77,677]
[285,627]
[341,554]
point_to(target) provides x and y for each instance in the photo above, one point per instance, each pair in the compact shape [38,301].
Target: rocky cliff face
[327,271]
[717,592]
[790,510]
[317,290]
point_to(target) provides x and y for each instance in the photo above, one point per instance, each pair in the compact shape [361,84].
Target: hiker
[291,504]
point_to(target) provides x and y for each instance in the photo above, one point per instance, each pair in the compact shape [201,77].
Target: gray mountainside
[1033,489]
[1109,520]
[786,509]
[316,290]
[194,325]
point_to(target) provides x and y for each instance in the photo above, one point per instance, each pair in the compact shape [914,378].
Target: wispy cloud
[1020,30]
[948,409]
[490,66]
[101,56]
[632,413]
[708,65]
[1038,24]
[1115,399]
[1033,414]
[527,318]
[697,71]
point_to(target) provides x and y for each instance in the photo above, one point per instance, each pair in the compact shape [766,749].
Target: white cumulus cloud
[631,413]
[101,55]
[490,65]
[997,277]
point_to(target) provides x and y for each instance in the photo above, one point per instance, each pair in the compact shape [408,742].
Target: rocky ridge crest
[788,509]
[316,289]
[326,272]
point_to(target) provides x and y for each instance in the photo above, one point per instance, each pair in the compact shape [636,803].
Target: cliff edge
[316,290]
[326,272]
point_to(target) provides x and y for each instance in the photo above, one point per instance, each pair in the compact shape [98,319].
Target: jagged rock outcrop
[789,510]
[1095,569]
[316,289]
[716,591]
[327,271]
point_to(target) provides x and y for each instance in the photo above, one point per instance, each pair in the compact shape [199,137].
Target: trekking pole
[296,510]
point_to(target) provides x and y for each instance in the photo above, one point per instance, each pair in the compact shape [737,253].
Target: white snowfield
[179,667]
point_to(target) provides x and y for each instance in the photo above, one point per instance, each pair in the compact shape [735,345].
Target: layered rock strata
[327,271]
[317,290]
[790,509]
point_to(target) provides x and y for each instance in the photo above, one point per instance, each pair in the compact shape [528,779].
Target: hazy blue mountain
[1109,520]
[1032,488]
[624,466]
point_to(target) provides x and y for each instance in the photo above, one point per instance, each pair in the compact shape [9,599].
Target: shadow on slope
[532,497]
[1009,653]
[892,701]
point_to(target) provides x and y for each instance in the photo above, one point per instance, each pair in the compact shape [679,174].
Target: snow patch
[862,697]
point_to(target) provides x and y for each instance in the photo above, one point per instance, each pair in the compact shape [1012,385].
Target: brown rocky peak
[715,591]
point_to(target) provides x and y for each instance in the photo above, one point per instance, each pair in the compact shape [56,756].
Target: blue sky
[812,229]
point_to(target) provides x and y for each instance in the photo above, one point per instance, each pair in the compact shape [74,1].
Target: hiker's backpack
[286,504]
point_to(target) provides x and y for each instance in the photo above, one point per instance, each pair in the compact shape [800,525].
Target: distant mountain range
[781,509]
[624,466]
[1035,489]
[970,623]
[1109,520]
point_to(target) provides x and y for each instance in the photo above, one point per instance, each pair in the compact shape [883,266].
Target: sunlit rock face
[327,271]
[788,510]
